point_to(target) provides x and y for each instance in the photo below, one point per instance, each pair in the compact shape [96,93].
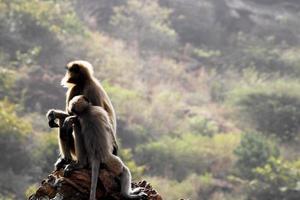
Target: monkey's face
[72,75]
[78,104]
[77,73]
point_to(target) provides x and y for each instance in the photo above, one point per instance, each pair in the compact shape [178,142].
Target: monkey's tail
[95,173]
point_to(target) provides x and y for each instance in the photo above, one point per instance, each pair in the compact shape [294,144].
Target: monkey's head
[78,104]
[78,72]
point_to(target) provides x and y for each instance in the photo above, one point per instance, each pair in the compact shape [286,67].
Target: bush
[253,151]
[13,139]
[276,180]
[45,151]
[7,81]
[16,162]
[135,170]
[187,188]
[273,107]
[145,22]
[179,156]
[203,126]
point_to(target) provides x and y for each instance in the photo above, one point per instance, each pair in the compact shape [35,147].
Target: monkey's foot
[139,196]
[70,168]
[136,190]
[60,163]
[143,196]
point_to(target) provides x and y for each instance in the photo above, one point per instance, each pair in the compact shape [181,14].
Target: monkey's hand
[51,119]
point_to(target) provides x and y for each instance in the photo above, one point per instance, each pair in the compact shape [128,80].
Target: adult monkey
[79,80]
[93,145]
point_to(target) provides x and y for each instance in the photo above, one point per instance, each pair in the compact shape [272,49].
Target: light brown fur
[79,80]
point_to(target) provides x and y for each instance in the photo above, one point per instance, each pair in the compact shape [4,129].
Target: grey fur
[93,136]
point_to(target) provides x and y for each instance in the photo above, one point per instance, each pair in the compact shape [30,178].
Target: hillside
[206,91]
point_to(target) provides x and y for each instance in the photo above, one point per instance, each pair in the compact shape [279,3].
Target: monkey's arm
[53,114]
[69,121]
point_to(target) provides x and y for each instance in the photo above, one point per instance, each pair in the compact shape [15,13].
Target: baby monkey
[93,145]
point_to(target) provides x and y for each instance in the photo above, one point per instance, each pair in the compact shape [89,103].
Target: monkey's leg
[116,165]
[66,145]
[126,190]
[80,150]
[95,173]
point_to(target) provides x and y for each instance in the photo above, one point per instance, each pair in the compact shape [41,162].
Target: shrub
[253,151]
[145,22]
[177,157]
[45,151]
[16,162]
[276,180]
[203,126]
[13,140]
[187,188]
[135,170]
[273,107]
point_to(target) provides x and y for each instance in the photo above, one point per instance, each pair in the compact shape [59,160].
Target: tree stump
[77,187]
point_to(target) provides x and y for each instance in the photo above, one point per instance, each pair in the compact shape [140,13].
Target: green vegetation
[178,157]
[276,180]
[206,91]
[253,151]
[273,107]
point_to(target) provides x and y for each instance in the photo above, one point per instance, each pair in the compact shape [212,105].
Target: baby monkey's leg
[80,151]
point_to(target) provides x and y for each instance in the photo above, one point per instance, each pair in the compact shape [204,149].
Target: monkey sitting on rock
[93,145]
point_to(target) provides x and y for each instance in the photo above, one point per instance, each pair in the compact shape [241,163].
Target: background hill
[207,92]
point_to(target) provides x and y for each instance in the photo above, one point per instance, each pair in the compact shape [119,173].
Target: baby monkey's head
[78,104]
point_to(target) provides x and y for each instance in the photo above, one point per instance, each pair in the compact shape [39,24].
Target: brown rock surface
[77,187]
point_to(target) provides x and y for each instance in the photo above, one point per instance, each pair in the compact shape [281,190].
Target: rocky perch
[77,187]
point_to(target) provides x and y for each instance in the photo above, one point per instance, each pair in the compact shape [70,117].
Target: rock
[77,187]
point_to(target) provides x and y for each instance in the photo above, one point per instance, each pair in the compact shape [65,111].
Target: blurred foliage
[16,158]
[45,151]
[31,190]
[177,157]
[144,22]
[13,132]
[7,80]
[136,171]
[200,125]
[277,180]
[175,190]
[273,107]
[254,151]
